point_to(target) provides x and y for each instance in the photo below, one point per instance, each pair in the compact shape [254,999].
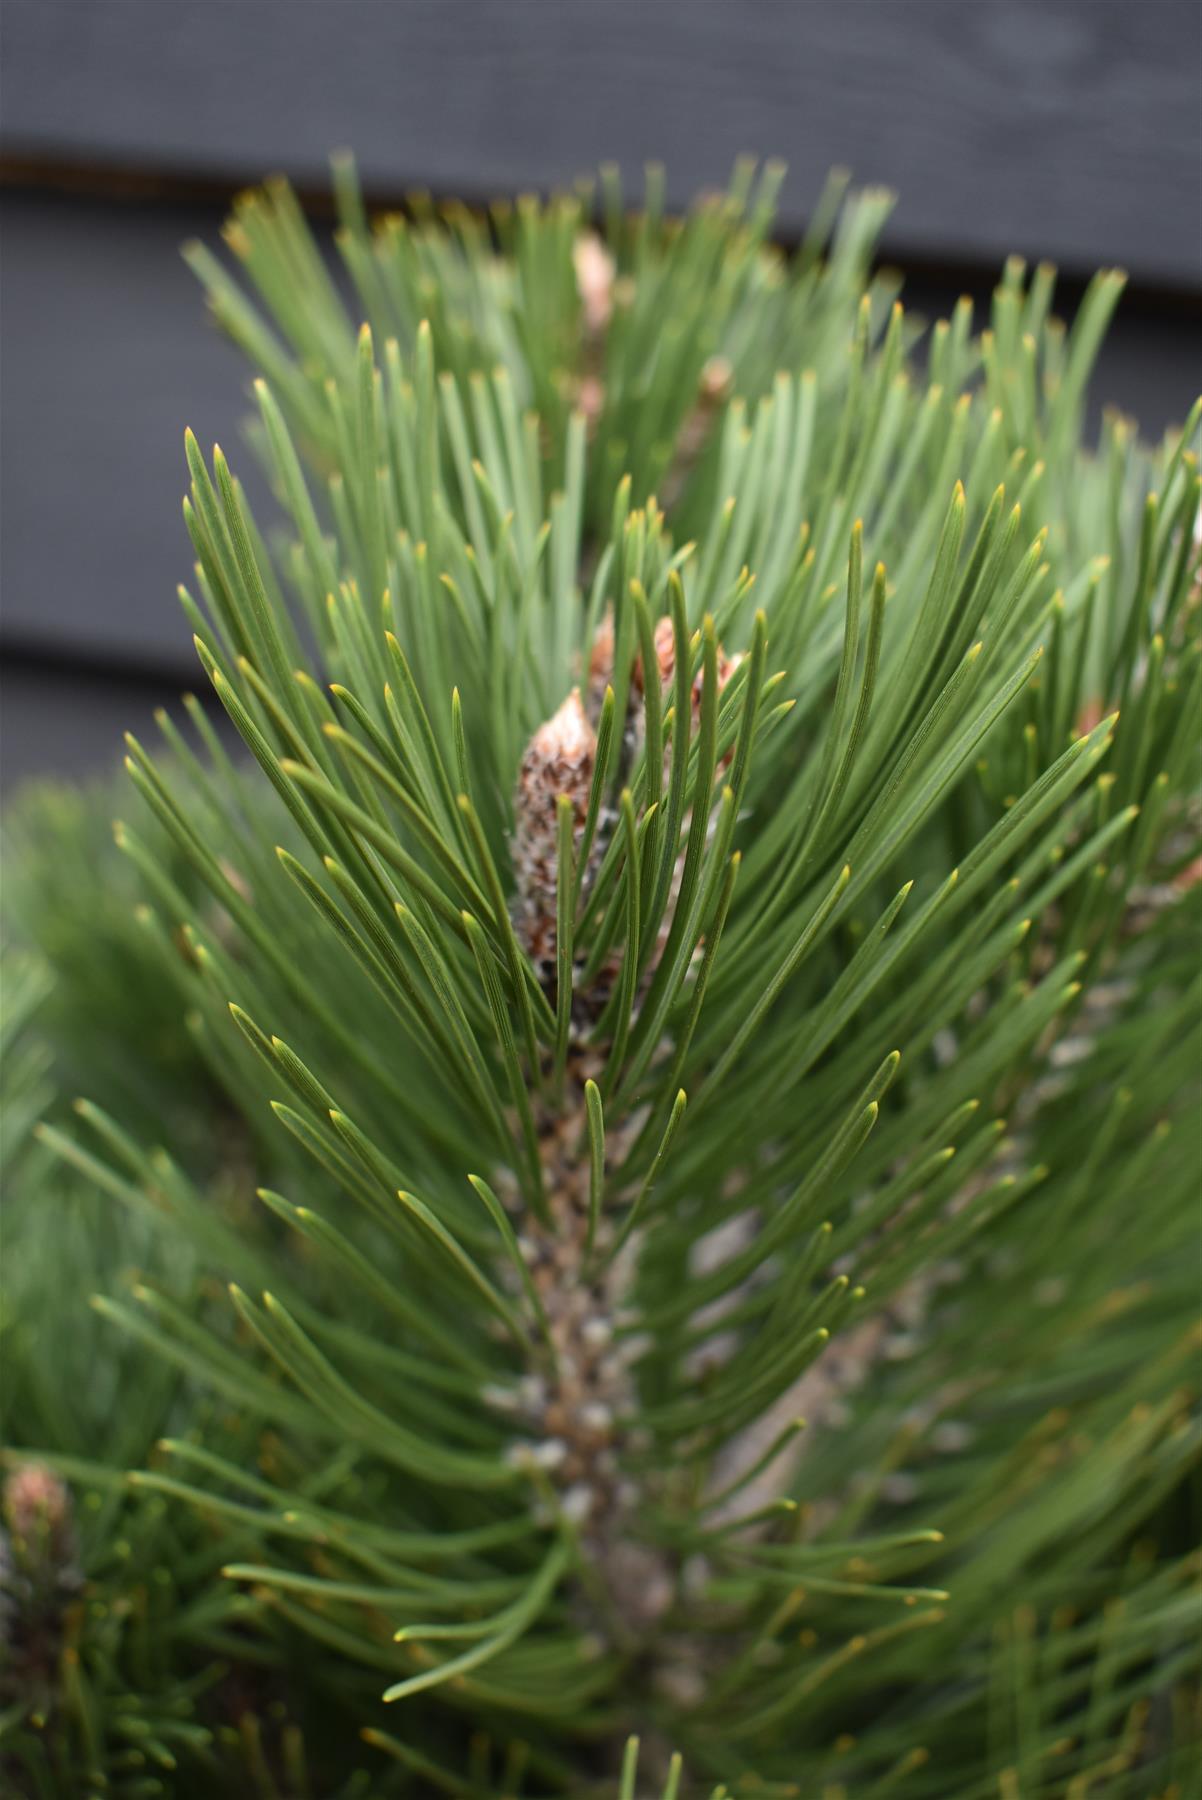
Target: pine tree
[700,967]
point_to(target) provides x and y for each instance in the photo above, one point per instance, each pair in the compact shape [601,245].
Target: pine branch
[703,986]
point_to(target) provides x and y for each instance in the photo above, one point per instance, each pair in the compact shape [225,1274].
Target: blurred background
[1061,129]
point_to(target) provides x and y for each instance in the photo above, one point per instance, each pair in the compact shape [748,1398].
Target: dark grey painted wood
[68,722]
[1061,128]
[108,355]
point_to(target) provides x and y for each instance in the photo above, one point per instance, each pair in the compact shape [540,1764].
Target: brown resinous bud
[38,1567]
[559,759]
[665,652]
[594,268]
[37,1515]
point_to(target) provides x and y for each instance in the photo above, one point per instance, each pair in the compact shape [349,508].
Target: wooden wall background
[1070,129]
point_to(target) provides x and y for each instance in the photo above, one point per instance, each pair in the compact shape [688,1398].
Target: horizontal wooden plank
[64,722]
[108,355]
[1066,129]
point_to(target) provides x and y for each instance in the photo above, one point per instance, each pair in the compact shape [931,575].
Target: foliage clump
[699,968]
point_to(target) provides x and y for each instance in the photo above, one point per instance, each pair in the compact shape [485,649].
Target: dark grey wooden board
[1061,128]
[65,721]
[108,355]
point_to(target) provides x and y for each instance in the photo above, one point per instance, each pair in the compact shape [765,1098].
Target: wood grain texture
[1061,128]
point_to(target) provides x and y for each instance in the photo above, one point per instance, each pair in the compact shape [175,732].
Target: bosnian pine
[699,966]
